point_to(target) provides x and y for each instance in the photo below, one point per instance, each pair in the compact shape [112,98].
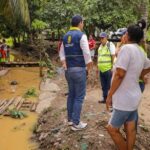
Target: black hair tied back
[142,24]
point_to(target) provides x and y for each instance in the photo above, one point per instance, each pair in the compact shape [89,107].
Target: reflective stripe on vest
[104,59]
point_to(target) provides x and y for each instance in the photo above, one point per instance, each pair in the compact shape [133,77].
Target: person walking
[106,55]
[75,57]
[125,94]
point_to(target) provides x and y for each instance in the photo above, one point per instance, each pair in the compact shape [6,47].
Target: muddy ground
[52,132]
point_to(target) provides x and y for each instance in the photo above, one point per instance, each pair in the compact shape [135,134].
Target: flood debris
[15,107]
[53,132]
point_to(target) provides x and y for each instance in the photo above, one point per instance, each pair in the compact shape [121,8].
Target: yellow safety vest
[104,59]
[142,49]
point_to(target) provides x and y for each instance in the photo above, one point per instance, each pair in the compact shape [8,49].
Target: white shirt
[84,46]
[131,59]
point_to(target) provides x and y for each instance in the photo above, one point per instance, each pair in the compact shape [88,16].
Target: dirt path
[53,133]
[144,110]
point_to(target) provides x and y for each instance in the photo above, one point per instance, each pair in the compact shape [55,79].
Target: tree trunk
[14,41]
[144,11]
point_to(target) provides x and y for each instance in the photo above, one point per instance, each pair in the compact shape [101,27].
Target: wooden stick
[19,105]
[34,107]
[2,102]
[27,102]
[9,102]
[17,101]
[26,105]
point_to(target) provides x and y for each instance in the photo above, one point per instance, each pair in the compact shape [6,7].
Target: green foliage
[148,35]
[109,14]
[15,12]
[30,93]
[50,73]
[17,114]
[56,15]
[38,25]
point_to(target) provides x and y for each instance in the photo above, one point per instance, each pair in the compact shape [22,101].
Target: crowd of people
[122,71]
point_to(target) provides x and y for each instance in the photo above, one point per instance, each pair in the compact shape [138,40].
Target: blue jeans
[105,78]
[142,86]
[76,78]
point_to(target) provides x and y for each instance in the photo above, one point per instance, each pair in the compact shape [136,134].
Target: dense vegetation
[27,18]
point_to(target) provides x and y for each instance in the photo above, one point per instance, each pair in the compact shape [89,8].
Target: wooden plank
[20,103]
[2,102]
[11,64]
[34,107]
[24,63]
[26,105]
[27,102]
[9,102]
[17,101]
[6,113]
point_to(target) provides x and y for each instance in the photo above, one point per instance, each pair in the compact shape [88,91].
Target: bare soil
[52,132]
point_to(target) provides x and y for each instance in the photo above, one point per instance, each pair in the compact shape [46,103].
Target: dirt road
[53,133]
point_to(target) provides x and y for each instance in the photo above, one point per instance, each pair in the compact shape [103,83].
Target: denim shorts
[120,117]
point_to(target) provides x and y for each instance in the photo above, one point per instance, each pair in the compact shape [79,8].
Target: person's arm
[144,72]
[86,51]
[117,79]
[146,68]
[62,56]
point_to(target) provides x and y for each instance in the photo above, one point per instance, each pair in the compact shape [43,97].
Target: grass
[30,93]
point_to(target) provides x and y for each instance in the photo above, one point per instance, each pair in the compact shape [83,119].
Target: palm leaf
[15,10]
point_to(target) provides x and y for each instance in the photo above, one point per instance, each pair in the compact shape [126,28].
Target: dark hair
[136,32]
[76,20]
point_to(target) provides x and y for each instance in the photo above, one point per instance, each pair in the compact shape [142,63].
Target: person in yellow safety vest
[106,54]
[142,81]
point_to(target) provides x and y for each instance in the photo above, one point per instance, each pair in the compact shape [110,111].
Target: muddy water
[15,133]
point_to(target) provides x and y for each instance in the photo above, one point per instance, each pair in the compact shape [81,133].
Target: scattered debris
[15,106]
[52,131]
[14,82]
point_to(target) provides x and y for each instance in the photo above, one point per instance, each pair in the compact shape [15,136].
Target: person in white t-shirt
[125,94]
